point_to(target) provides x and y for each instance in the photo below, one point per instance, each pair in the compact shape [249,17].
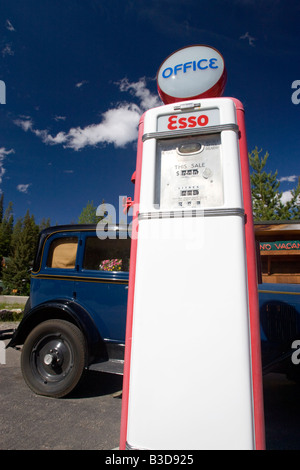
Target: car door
[101,286]
[58,269]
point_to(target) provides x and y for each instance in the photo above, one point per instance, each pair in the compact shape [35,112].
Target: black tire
[53,358]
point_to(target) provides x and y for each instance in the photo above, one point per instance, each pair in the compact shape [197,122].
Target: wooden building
[279,243]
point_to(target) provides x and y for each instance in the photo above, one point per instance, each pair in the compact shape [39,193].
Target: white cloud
[290,179]
[3,154]
[9,26]
[2,171]
[119,125]
[7,50]
[25,123]
[23,188]
[251,39]
[139,89]
[48,139]
[79,84]
[287,196]
[59,118]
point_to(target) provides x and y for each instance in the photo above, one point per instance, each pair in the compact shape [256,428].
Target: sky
[78,75]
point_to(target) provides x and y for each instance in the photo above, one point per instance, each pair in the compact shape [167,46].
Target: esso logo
[175,122]
[190,73]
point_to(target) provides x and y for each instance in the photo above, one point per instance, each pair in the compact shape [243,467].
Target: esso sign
[178,122]
[190,73]
[189,120]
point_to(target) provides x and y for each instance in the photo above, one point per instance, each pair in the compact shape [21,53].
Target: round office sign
[190,73]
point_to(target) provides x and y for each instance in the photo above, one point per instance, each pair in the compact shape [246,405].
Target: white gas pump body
[188,369]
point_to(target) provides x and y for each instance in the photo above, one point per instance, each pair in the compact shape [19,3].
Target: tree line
[266,195]
[18,239]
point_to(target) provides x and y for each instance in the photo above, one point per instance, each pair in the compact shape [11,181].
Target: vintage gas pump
[192,377]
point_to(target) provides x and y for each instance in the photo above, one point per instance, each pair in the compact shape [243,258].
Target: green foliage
[88,214]
[6,230]
[291,209]
[18,243]
[8,313]
[45,223]
[1,207]
[16,274]
[266,196]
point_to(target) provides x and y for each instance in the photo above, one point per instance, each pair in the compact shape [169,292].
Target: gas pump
[192,377]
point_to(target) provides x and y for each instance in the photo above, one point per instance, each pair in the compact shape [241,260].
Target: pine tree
[266,195]
[293,206]
[88,214]
[18,227]
[265,188]
[45,223]
[1,207]
[6,230]
[16,275]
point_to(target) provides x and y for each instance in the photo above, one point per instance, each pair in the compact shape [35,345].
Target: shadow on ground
[97,384]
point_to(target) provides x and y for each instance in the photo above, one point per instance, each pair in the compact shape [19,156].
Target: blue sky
[79,73]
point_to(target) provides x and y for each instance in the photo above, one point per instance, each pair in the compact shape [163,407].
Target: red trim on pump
[130,302]
[258,405]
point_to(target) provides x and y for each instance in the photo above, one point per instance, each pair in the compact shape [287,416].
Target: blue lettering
[211,64]
[164,74]
[177,67]
[187,65]
[199,64]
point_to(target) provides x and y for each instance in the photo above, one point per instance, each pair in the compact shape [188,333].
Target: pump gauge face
[189,173]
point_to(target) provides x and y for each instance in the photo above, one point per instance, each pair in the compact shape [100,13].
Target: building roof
[277,227]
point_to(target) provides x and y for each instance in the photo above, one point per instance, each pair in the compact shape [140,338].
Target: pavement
[10,299]
[89,419]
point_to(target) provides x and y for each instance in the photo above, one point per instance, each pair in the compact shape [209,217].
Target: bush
[7,315]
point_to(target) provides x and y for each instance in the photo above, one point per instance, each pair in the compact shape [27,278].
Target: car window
[106,255]
[62,253]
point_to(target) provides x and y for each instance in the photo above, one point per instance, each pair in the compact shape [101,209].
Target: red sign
[190,120]
[176,122]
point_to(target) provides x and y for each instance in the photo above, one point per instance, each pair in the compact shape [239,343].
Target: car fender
[65,310]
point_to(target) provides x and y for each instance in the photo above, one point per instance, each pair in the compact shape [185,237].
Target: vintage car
[75,316]
[279,307]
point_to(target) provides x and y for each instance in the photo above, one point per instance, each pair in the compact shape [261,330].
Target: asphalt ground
[89,419]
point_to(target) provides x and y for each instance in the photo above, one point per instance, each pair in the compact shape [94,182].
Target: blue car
[75,316]
[279,306]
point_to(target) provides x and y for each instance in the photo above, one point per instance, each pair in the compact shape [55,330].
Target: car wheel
[53,358]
